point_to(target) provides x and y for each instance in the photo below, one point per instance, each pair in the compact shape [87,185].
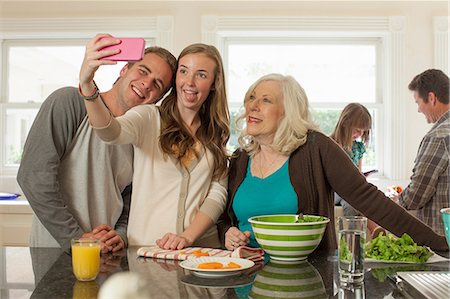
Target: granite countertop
[47,273]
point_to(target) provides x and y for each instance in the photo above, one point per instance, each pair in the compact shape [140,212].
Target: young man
[70,197]
[429,189]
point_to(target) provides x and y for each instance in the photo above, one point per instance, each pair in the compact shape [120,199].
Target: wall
[187,15]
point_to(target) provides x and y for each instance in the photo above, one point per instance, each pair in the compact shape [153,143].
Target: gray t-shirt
[72,180]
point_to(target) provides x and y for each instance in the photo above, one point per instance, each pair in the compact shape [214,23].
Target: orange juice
[85,259]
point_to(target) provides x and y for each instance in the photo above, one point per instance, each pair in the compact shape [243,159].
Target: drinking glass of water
[352,240]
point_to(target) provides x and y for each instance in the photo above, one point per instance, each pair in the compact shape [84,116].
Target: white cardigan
[166,195]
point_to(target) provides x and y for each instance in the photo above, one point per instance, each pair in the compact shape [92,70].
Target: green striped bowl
[284,239]
[281,279]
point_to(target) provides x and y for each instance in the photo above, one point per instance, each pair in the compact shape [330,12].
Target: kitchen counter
[15,222]
[16,206]
[47,273]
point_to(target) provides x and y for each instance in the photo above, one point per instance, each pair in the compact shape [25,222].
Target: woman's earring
[247,140]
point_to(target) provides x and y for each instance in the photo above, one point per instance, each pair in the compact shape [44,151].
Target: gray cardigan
[320,167]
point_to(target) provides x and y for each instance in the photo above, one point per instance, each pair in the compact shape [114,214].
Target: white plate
[193,263]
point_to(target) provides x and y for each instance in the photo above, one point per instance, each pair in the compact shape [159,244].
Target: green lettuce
[344,252]
[308,218]
[401,249]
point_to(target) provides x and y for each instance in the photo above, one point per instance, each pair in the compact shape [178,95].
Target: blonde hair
[353,116]
[294,126]
[215,118]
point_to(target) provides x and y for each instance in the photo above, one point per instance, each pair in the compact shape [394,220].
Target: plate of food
[390,249]
[216,266]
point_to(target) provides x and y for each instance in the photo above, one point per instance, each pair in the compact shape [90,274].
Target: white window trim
[159,28]
[441,40]
[391,30]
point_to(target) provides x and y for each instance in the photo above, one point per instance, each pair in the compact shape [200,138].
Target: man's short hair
[164,54]
[432,80]
[167,57]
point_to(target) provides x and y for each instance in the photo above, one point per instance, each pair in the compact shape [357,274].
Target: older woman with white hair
[286,166]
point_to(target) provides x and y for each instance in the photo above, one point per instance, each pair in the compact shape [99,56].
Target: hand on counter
[173,241]
[235,238]
[109,238]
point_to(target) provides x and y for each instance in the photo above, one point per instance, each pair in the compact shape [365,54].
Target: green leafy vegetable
[397,249]
[309,218]
[344,252]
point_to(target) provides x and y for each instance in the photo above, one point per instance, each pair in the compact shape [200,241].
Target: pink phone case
[131,49]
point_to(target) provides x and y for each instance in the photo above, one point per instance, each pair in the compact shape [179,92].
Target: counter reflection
[288,280]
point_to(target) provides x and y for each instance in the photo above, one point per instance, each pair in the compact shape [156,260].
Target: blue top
[271,195]
[358,150]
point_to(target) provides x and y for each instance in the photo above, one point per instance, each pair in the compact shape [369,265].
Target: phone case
[131,49]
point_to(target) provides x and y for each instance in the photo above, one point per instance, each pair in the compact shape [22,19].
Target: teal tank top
[358,150]
[271,195]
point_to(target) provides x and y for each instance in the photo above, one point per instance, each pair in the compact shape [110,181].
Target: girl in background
[352,133]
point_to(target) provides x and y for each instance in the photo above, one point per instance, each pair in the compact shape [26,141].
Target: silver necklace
[268,168]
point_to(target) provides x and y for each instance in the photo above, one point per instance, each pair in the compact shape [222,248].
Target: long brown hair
[354,116]
[214,116]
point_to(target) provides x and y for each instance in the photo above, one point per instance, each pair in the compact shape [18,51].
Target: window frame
[32,31]
[390,31]
[441,29]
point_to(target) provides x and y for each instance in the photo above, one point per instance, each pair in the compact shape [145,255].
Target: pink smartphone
[131,49]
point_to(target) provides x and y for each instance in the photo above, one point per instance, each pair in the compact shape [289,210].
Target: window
[387,34]
[333,72]
[34,69]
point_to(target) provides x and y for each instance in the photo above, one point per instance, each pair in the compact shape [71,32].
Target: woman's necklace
[269,166]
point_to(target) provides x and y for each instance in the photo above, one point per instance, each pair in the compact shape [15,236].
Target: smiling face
[194,79]
[144,81]
[264,110]
[426,108]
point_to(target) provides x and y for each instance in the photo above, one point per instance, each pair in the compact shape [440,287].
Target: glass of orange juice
[85,258]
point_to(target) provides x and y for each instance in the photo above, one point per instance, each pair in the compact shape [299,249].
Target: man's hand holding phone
[93,59]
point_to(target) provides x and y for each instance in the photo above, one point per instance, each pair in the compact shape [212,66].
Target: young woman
[179,180]
[352,133]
